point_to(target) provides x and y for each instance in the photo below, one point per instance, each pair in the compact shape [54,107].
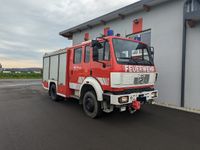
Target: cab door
[101,69]
[86,61]
[76,68]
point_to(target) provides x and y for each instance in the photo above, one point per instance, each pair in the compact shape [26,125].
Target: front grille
[142,79]
[129,91]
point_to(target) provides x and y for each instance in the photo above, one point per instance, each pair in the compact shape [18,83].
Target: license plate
[142,79]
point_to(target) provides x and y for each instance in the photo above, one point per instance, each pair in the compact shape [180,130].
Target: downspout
[183,58]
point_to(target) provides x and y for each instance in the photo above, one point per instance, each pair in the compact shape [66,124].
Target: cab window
[77,55]
[87,54]
[107,51]
[104,52]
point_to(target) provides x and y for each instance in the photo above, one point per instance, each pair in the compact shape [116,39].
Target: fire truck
[103,74]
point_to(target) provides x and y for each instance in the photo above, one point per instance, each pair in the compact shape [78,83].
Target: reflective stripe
[81,79]
[103,81]
[61,94]
[75,86]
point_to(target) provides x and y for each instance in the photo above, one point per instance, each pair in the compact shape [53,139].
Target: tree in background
[1,67]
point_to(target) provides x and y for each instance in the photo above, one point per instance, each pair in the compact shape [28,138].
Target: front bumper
[141,96]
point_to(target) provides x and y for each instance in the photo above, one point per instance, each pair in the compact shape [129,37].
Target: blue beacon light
[110,33]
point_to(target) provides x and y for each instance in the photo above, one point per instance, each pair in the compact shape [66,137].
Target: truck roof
[107,37]
[60,51]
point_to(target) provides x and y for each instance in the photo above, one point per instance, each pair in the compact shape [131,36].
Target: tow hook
[134,106]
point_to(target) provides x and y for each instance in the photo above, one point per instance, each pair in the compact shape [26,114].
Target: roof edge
[119,13]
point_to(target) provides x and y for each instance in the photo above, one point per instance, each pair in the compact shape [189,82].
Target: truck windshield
[130,52]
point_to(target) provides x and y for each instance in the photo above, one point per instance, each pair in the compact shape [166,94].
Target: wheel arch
[91,83]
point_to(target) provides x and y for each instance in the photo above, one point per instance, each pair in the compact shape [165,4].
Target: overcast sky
[29,28]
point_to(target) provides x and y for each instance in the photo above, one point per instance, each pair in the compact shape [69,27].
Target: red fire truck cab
[102,74]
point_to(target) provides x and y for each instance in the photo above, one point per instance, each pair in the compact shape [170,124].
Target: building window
[77,55]
[87,54]
[144,36]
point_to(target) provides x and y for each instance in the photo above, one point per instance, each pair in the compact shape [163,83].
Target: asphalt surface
[29,120]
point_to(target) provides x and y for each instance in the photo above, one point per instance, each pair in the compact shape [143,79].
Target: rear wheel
[53,93]
[91,106]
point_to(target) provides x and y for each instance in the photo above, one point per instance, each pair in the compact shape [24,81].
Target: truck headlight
[123,99]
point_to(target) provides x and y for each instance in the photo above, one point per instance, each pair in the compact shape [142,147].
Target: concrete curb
[197,111]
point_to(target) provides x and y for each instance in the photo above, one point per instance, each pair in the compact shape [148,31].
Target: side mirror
[95,53]
[152,52]
[95,43]
[96,46]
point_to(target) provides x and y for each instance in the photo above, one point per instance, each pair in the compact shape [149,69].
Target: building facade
[172,27]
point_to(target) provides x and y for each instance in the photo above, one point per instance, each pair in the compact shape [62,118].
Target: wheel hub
[89,104]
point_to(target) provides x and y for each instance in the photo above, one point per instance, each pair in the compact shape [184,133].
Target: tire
[53,93]
[91,106]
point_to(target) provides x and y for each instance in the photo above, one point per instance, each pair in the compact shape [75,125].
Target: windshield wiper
[147,61]
[129,58]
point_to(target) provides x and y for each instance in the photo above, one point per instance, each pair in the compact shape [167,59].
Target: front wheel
[91,106]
